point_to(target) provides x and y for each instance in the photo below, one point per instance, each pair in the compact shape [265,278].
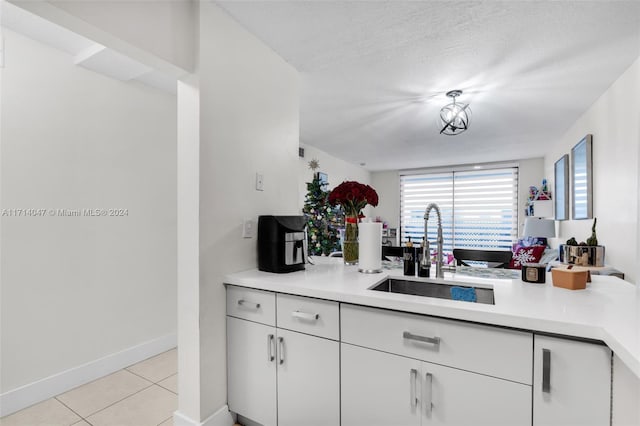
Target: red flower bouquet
[353,197]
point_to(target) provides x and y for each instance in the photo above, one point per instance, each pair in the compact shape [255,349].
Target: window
[479,208]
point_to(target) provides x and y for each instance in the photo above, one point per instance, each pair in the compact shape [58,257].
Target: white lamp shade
[537,227]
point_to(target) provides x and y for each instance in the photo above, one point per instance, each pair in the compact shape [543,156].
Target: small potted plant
[352,197]
[587,253]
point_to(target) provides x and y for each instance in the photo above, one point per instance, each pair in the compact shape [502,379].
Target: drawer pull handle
[305,315]
[270,348]
[432,340]
[243,302]
[428,400]
[281,349]
[546,371]
[413,399]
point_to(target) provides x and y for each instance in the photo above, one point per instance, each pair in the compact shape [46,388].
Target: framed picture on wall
[561,188]
[324,178]
[582,179]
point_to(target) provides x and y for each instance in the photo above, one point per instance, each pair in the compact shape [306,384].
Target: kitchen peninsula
[385,349]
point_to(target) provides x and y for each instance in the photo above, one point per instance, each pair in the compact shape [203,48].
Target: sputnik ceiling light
[454,117]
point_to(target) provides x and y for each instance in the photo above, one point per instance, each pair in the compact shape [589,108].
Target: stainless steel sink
[431,288]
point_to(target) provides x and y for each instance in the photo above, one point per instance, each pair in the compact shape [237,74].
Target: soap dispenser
[424,268]
[409,259]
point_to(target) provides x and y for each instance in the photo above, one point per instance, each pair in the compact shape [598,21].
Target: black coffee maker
[282,243]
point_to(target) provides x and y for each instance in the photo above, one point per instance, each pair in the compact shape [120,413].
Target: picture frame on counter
[561,188]
[582,179]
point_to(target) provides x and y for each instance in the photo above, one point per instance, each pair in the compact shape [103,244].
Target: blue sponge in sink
[466,294]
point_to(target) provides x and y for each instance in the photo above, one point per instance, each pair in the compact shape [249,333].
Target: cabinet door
[452,397]
[379,389]
[251,366]
[571,383]
[308,380]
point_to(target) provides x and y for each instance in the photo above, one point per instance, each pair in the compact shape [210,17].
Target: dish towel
[467,294]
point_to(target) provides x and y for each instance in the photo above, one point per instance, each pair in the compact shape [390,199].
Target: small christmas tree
[323,220]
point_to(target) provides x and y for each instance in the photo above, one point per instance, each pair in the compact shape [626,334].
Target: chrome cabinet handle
[243,302]
[546,371]
[413,399]
[432,340]
[281,349]
[270,354]
[305,315]
[428,399]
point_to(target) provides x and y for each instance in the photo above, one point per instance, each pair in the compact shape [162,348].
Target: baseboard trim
[180,419]
[222,417]
[32,393]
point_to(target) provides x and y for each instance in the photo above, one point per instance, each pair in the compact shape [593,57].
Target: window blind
[479,208]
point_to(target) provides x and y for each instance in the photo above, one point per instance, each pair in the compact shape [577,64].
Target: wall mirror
[561,188]
[582,180]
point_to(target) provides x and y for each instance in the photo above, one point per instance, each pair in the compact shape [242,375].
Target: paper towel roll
[370,242]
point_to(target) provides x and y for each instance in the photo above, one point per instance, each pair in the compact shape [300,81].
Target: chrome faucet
[426,256]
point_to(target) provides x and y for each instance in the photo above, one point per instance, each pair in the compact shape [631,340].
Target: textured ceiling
[374,74]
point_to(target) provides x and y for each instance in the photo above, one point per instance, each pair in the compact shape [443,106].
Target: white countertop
[608,309]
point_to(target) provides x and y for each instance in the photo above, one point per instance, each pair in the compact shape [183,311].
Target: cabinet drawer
[311,316]
[482,349]
[250,304]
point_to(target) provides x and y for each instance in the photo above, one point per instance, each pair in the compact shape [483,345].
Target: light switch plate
[248,228]
[259,182]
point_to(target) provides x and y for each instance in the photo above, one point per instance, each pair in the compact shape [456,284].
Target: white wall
[160,34]
[249,109]
[530,173]
[387,183]
[338,170]
[76,289]
[613,122]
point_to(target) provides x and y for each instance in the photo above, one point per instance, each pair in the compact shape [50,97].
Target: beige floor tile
[47,413]
[170,383]
[168,422]
[157,368]
[92,397]
[149,407]
[81,423]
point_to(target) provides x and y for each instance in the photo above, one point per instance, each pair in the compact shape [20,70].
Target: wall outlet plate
[248,228]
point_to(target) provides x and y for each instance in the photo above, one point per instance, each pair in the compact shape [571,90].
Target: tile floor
[144,394]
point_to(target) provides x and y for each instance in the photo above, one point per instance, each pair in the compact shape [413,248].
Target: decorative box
[569,278]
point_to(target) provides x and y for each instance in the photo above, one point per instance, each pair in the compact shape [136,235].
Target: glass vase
[350,245]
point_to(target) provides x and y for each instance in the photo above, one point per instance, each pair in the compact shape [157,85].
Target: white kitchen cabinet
[385,389]
[251,364]
[277,376]
[482,349]
[379,389]
[300,361]
[253,305]
[311,316]
[460,398]
[571,383]
[308,380]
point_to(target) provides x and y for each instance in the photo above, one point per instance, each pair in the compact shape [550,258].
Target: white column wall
[249,122]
